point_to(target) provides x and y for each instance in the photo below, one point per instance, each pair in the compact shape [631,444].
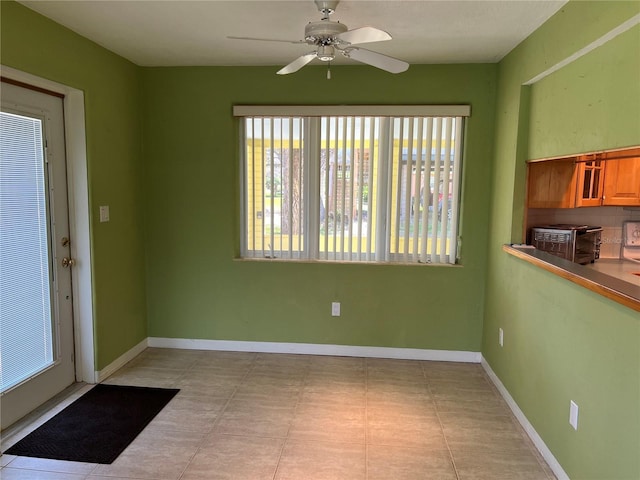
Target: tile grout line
[435,404]
[366,418]
[296,401]
[295,409]
[220,413]
[175,385]
[530,446]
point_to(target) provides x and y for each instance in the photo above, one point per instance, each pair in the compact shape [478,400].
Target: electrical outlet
[501,337]
[573,415]
[335,309]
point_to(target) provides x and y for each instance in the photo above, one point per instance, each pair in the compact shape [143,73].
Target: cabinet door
[622,182]
[590,183]
[552,184]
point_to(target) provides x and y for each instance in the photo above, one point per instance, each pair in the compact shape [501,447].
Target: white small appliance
[631,241]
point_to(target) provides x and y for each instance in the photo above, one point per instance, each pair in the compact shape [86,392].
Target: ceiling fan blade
[375,59]
[297,64]
[267,39]
[364,35]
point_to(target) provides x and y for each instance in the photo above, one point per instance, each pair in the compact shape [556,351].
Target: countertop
[621,269]
[611,278]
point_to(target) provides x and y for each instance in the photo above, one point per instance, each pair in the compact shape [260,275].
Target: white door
[36,323]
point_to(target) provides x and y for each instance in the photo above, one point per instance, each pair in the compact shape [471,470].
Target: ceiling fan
[329,38]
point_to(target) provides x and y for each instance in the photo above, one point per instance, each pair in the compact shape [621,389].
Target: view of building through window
[351,188]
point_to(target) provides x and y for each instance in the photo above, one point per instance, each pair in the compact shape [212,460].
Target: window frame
[311,117]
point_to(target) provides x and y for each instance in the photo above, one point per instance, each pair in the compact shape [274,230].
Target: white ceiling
[182,32]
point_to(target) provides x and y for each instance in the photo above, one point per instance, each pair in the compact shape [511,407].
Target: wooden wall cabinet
[622,182]
[552,184]
[590,184]
[590,180]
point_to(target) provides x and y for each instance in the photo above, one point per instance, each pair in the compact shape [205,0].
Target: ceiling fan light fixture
[326,53]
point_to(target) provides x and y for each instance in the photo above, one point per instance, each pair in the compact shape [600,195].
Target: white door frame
[79,214]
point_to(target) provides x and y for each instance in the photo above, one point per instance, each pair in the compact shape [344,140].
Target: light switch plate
[335,309]
[104,213]
[573,415]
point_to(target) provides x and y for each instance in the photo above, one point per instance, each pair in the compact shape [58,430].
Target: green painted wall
[196,288]
[111,85]
[178,268]
[591,103]
[563,342]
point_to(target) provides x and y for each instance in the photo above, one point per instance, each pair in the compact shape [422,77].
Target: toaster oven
[577,243]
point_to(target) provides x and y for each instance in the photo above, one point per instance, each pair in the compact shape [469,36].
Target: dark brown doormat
[98,426]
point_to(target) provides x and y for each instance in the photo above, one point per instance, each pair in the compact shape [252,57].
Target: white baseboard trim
[317,349]
[121,360]
[531,432]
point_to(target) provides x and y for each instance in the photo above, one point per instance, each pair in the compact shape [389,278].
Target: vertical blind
[351,188]
[274,187]
[26,339]
[347,158]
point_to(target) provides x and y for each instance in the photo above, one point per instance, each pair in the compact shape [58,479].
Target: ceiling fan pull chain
[328,70]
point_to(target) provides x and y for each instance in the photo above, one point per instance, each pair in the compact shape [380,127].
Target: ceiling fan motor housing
[327,6]
[323,32]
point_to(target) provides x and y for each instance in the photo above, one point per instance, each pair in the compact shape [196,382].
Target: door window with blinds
[351,184]
[27,331]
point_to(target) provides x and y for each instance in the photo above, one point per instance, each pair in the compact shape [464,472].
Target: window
[27,343]
[377,184]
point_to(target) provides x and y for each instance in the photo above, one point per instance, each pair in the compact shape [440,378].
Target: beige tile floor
[250,416]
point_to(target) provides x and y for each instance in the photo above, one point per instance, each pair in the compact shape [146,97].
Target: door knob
[68,262]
